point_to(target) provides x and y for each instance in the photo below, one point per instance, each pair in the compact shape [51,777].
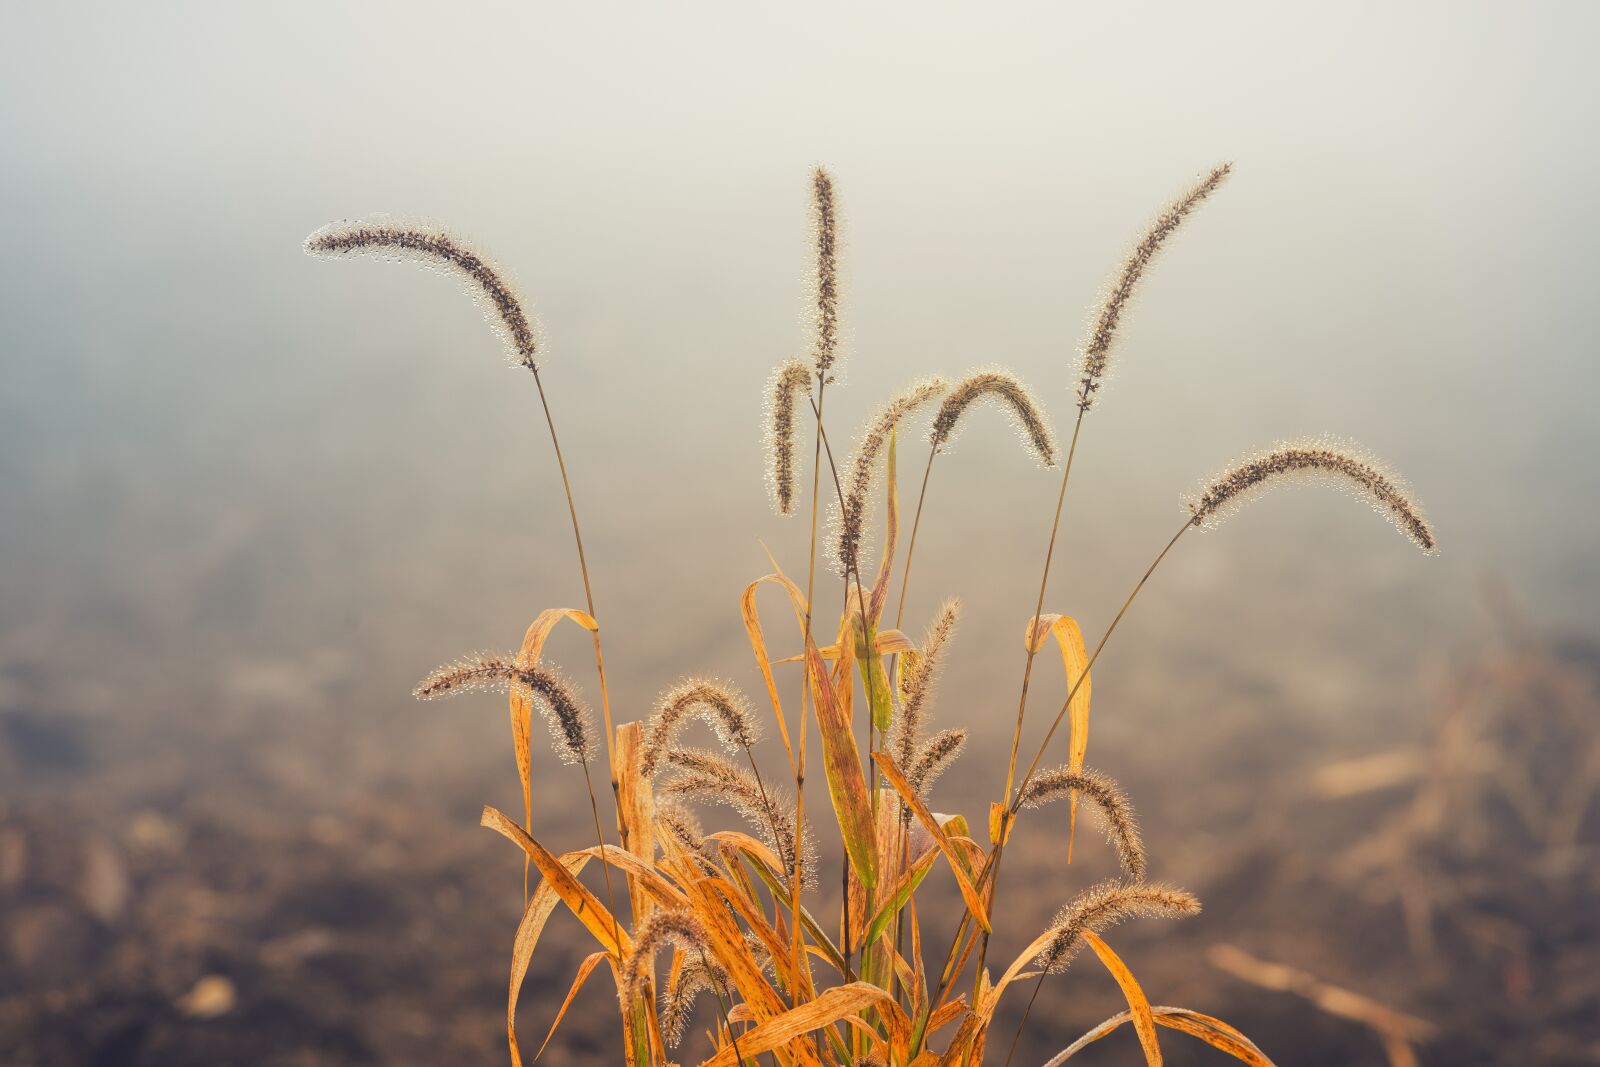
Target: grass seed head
[862,471]
[825,279]
[558,702]
[1108,798]
[1096,357]
[1003,388]
[723,706]
[1322,459]
[712,777]
[388,239]
[667,926]
[934,758]
[788,382]
[1103,906]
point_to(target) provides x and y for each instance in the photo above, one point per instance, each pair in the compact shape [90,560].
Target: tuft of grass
[735,909]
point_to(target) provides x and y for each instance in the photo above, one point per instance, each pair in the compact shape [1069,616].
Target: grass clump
[729,914]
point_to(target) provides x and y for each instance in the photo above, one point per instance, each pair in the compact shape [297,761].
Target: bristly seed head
[699,974]
[1097,349]
[563,712]
[789,381]
[1005,389]
[934,758]
[1103,906]
[709,776]
[668,926]
[921,672]
[1336,461]
[863,468]
[723,706]
[1116,813]
[436,248]
[825,231]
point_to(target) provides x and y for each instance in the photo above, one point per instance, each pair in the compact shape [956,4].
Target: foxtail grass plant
[732,913]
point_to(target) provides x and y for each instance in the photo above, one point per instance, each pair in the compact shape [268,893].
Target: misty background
[250,498]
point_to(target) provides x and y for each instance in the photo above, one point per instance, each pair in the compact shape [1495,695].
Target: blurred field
[250,499]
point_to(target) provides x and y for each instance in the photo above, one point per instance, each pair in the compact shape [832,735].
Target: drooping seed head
[433,247]
[699,974]
[825,279]
[788,382]
[1325,459]
[862,471]
[1109,800]
[564,713]
[667,926]
[1096,356]
[710,776]
[1103,906]
[1004,389]
[718,703]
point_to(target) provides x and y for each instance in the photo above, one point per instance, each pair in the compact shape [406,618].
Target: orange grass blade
[892,775]
[589,910]
[1074,662]
[522,705]
[534,916]
[888,641]
[841,760]
[1214,1032]
[781,1030]
[1138,1004]
[584,968]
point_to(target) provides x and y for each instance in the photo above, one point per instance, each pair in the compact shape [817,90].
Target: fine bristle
[862,471]
[1108,798]
[934,758]
[709,776]
[1339,462]
[668,926]
[825,281]
[1096,356]
[563,712]
[788,382]
[718,703]
[699,974]
[680,824]
[1004,389]
[1103,906]
[922,671]
[437,248]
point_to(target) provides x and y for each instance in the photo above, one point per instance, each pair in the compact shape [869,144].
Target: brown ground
[173,912]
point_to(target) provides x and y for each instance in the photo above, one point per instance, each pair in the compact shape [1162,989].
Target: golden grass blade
[651,880]
[888,641]
[781,1030]
[892,775]
[841,764]
[1074,662]
[522,705]
[765,868]
[636,808]
[841,760]
[534,916]
[593,914]
[1213,1032]
[891,536]
[1144,1022]
[758,645]
[584,968]
[897,899]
